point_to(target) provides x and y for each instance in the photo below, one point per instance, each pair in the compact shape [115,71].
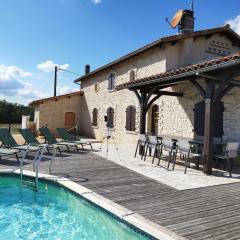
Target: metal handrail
[38,157]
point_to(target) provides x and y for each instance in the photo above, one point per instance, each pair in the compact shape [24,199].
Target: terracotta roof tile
[177,71]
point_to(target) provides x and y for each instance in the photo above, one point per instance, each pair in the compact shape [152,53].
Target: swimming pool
[55,213]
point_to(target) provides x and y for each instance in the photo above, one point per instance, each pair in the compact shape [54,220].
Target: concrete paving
[176,179]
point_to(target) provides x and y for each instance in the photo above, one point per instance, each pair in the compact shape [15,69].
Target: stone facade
[52,112]
[176,114]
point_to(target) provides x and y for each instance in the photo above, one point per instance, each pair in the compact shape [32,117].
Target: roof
[226,30]
[189,70]
[69,95]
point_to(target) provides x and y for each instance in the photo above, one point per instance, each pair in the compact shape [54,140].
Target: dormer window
[111,81]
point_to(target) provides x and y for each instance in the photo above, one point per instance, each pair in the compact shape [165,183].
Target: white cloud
[96,1]
[49,66]
[14,85]
[66,89]
[8,73]
[234,23]
[11,78]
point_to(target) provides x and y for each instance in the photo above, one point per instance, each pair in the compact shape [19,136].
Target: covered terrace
[212,79]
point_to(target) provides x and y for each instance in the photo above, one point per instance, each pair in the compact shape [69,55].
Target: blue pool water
[54,213]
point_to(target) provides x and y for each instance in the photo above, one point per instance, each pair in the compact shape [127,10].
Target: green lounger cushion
[65,135]
[6,138]
[52,140]
[28,136]
[48,135]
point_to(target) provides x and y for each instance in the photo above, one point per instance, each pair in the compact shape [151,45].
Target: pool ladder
[32,181]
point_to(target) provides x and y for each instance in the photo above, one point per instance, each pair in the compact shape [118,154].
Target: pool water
[54,213]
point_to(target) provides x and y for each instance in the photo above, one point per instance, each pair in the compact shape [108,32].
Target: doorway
[154,119]
[70,121]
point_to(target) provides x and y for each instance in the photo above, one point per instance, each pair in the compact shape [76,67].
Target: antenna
[192,5]
[169,23]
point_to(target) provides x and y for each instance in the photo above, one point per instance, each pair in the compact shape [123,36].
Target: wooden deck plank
[205,213]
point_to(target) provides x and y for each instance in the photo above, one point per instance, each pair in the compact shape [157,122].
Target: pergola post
[208,127]
[143,113]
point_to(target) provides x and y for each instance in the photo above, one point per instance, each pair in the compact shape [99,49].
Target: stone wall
[53,112]
[176,114]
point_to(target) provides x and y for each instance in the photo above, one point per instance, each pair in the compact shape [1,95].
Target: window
[111,81]
[95,117]
[130,118]
[132,75]
[110,117]
[96,86]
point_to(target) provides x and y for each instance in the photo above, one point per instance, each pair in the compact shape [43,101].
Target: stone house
[169,115]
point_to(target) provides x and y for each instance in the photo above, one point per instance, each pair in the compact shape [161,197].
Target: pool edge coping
[130,217]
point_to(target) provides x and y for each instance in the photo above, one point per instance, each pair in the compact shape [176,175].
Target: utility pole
[55,81]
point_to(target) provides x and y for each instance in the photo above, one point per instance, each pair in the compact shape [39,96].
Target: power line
[69,71]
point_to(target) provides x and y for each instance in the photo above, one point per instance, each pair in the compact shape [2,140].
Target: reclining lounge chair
[66,136]
[11,146]
[32,140]
[50,139]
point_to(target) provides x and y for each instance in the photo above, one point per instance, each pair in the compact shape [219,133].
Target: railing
[38,157]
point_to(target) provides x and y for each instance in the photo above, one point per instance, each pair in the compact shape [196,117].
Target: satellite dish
[177,18]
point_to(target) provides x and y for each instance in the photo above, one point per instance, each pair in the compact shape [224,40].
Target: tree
[12,112]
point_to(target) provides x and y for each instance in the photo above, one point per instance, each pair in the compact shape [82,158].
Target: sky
[37,35]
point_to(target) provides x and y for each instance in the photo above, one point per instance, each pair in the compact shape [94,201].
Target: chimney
[187,22]
[87,69]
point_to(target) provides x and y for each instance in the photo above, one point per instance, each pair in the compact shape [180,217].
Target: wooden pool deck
[204,213]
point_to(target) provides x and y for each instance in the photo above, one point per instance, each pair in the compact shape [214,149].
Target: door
[154,120]
[70,121]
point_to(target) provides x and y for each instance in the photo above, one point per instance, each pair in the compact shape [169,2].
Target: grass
[14,127]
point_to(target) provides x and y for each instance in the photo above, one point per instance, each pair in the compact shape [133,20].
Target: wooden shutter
[133,118]
[111,81]
[218,121]
[95,117]
[110,116]
[199,118]
[199,115]
[128,118]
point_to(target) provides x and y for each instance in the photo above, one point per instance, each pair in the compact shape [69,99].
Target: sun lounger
[66,136]
[32,140]
[8,152]
[50,139]
[9,143]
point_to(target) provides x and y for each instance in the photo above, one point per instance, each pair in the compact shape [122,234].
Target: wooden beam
[137,95]
[208,128]
[199,88]
[152,101]
[175,94]
[143,113]
[236,83]
[208,76]
[216,78]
